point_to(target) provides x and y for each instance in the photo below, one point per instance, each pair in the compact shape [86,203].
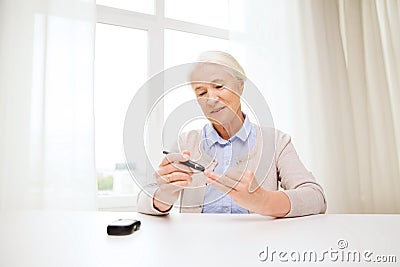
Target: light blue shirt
[225,152]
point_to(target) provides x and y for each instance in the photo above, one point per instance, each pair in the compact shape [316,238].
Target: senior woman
[227,147]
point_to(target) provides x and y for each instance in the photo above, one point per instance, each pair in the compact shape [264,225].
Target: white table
[43,238]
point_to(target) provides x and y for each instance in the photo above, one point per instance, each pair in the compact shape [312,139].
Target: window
[132,5]
[120,70]
[207,12]
[135,40]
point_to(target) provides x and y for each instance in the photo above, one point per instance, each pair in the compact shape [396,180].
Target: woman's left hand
[243,188]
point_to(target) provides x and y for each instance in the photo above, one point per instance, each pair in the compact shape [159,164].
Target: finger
[187,153]
[237,174]
[215,176]
[175,186]
[222,179]
[221,187]
[174,177]
[174,157]
[174,167]
[246,177]
[211,174]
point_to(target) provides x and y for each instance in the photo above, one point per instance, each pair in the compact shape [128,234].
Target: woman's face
[218,92]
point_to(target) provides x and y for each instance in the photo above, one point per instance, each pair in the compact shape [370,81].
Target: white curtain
[46,104]
[330,72]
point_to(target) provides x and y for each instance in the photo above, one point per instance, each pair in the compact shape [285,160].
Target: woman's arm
[302,195]
[276,203]
[237,184]
[170,178]
[306,196]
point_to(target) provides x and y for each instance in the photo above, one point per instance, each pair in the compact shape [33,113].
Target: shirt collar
[244,131]
[213,137]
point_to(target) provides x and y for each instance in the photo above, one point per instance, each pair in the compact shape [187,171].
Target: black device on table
[123,227]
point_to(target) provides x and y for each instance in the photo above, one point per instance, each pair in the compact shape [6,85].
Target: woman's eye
[202,93]
[219,86]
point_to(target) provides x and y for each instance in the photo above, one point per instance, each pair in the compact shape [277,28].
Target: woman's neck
[228,130]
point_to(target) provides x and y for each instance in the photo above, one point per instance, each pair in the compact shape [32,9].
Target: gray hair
[225,59]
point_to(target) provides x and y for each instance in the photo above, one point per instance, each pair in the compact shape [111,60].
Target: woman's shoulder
[275,134]
[274,140]
[273,137]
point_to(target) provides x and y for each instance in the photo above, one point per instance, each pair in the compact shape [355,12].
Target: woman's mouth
[217,109]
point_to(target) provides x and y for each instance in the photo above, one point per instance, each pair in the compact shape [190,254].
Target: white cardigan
[272,162]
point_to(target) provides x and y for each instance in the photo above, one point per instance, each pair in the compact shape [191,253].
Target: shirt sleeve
[305,194]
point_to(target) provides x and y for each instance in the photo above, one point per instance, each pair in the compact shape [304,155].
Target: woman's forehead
[212,73]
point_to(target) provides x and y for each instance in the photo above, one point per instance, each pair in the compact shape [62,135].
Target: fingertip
[211,174]
[186,154]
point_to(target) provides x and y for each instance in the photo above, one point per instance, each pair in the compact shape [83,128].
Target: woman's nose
[213,96]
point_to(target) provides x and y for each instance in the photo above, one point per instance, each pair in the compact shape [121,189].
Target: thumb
[186,154]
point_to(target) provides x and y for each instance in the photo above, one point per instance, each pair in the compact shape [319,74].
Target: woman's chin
[221,119]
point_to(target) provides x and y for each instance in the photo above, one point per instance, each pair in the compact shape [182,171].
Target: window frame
[155,25]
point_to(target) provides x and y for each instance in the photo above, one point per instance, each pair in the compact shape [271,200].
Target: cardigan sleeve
[145,197]
[145,201]
[305,194]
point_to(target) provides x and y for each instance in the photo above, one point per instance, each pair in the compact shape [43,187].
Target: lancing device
[190,164]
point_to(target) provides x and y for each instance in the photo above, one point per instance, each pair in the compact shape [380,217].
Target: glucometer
[191,164]
[123,227]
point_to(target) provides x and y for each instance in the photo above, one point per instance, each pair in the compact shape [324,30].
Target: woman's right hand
[172,176]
